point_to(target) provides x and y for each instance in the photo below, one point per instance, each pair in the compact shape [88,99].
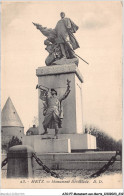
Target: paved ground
[69,179]
[82,174]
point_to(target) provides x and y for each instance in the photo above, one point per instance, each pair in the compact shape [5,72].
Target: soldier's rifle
[76,54]
[80,58]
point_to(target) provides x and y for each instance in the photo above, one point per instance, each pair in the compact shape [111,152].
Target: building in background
[32,131]
[11,124]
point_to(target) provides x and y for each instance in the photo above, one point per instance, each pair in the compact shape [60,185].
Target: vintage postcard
[61,95]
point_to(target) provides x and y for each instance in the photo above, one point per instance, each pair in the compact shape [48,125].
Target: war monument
[59,140]
[60,93]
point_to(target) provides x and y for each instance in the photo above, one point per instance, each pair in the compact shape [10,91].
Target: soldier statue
[52,111]
[60,41]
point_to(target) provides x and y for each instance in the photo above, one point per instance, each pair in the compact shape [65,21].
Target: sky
[100,40]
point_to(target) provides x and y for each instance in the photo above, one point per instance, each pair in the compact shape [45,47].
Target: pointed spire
[9,115]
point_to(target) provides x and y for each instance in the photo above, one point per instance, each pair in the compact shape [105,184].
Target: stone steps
[78,161]
[77,165]
[87,156]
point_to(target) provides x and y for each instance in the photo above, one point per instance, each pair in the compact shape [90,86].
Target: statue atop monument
[60,42]
[65,29]
[52,111]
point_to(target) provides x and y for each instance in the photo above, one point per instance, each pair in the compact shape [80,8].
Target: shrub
[14,141]
[104,141]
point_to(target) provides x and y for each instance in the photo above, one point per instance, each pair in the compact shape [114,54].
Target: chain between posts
[96,174]
[48,170]
[106,166]
[4,162]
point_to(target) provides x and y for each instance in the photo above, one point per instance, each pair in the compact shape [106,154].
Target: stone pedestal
[77,142]
[72,124]
[52,146]
[20,162]
[80,141]
[56,77]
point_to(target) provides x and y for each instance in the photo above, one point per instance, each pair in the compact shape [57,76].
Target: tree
[14,141]
[104,141]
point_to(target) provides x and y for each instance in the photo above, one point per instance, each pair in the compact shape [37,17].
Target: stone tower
[11,124]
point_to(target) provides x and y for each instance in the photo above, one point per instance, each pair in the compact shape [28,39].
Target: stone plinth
[56,77]
[78,141]
[81,141]
[52,145]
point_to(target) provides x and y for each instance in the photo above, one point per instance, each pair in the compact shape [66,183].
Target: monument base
[77,142]
[80,141]
[56,77]
[52,145]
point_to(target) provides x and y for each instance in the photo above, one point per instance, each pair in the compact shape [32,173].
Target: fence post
[20,163]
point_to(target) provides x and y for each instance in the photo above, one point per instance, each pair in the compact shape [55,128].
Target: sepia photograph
[61,95]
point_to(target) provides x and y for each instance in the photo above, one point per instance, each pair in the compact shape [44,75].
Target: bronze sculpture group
[60,42]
